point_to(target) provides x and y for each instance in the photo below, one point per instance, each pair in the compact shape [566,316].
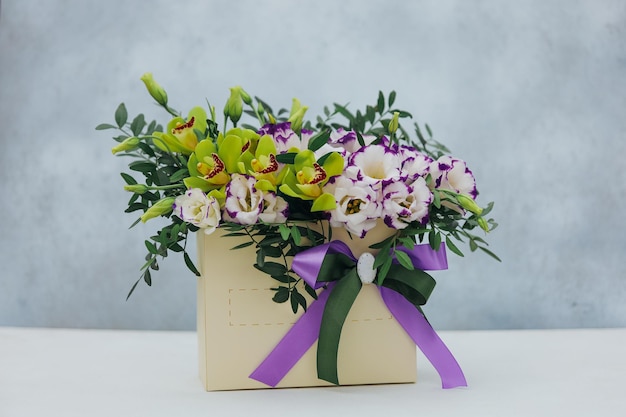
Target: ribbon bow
[333,265]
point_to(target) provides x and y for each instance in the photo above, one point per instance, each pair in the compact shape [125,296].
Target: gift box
[257,191]
[239,324]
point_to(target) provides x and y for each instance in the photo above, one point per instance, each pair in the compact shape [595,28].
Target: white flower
[275,209]
[453,174]
[196,208]
[414,164]
[357,208]
[403,204]
[244,202]
[285,138]
[348,141]
[374,164]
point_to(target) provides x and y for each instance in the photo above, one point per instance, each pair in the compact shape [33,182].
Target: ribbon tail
[293,345]
[339,303]
[425,338]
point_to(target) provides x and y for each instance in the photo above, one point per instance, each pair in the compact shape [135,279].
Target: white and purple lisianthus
[414,164]
[374,164]
[403,203]
[453,174]
[357,207]
[197,208]
[285,138]
[244,203]
[348,141]
[275,208]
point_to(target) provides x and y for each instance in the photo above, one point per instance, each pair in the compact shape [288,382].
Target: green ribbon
[340,272]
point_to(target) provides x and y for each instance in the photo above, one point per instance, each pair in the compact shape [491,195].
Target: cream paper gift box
[239,324]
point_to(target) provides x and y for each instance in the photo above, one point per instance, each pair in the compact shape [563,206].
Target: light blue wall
[532,94]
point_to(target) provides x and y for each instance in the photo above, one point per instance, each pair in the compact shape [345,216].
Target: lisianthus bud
[468,203]
[159,208]
[393,124]
[136,188]
[261,109]
[295,106]
[127,145]
[483,224]
[234,105]
[297,118]
[245,97]
[155,90]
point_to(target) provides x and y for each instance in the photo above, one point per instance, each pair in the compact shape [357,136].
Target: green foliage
[155,173]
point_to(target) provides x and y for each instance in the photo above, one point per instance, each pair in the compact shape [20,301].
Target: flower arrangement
[283,181]
[284,184]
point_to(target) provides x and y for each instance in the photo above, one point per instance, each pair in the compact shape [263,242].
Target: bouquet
[286,181]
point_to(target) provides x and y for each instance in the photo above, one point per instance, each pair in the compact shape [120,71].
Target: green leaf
[436,200]
[392,98]
[242,245]
[147,277]
[272,268]
[142,166]
[132,289]
[282,295]
[179,175]
[310,290]
[404,260]
[121,115]
[190,264]
[128,179]
[360,139]
[473,245]
[299,300]
[402,113]
[384,270]
[380,105]
[434,239]
[284,278]
[295,233]
[260,257]
[453,247]
[319,140]
[151,248]
[104,126]
[284,231]
[286,158]
[138,124]
[490,253]
[407,242]
[344,112]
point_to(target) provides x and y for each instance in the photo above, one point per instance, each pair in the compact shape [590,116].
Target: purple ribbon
[305,331]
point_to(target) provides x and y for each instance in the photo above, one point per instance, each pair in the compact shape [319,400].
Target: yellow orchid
[180,135]
[306,178]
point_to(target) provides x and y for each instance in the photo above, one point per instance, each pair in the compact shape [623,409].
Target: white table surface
[64,372]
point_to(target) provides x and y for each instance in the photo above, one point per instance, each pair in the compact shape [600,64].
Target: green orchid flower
[180,135]
[306,178]
[211,164]
[264,166]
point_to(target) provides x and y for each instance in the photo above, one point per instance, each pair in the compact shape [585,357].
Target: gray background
[530,93]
